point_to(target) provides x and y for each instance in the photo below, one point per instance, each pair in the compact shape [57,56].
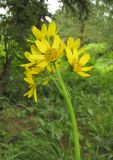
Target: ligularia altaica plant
[46,61]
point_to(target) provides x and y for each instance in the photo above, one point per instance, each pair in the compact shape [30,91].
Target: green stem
[72,115]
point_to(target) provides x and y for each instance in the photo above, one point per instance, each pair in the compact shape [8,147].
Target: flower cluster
[46,51]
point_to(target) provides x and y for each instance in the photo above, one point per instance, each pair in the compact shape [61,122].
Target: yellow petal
[86,68]
[77,43]
[36,32]
[35,70]
[42,64]
[56,42]
[44,30]
[25,94]
[81,50]
[75,54]
[28,74]
[84,59]
[25,79]
[70,42]
[46,43]
[69,55]
[29,80]
[37,57]
[31,92]
[41,46]
[83,74]
[26,65]
[35,95]
[51,28]
[34,50]
[27,54]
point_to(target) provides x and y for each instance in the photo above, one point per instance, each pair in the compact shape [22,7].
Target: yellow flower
[45,32]
[50,52]
[78,62]
[48,49]
[32,86]
[46,52]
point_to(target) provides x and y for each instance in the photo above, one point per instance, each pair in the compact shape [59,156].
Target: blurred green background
[42,131]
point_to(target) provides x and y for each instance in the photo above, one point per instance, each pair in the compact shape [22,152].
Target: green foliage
[95,28]
[41,137]
[77,7]
[98,51]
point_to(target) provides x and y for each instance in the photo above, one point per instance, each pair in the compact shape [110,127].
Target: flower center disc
[51,55]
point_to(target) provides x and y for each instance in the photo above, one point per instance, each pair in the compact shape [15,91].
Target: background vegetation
[30,131]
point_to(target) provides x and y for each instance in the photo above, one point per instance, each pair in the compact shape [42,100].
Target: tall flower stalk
[48,55]
[72,115]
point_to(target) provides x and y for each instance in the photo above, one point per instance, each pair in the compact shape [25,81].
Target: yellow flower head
[46,52]
[78,62]
[32,86]
[50,51]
